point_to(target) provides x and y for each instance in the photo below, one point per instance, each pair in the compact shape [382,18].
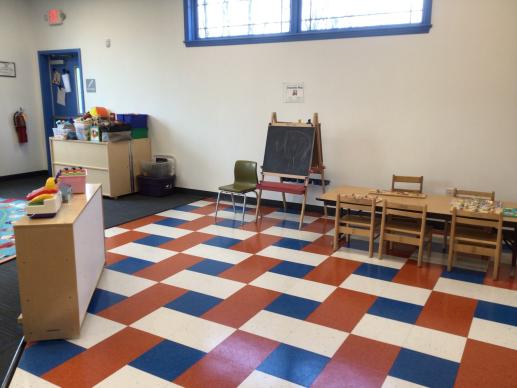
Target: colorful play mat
[10,211]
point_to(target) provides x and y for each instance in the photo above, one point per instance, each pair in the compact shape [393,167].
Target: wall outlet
[449,191]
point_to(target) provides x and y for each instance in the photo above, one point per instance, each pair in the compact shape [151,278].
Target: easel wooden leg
[258,204]
[303,209]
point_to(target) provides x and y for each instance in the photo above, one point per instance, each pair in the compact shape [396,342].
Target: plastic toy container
[116,132]
[139,133]
[76,182]
[156,187]
[156,169]
[133,119]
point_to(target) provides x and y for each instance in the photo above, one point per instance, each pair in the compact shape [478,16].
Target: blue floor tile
[465,275]
[497,313]
[210,267]
[186,208]
[291,243]
[130,265]
[103,299]
[222,242]
[173,222]
[293,364]
[153,240]
[290,224]
[193,303]
[292,269]
[376,271]
[394,309]
[167,360]
[46,355]
[293,306]
[423,369]
[230,223]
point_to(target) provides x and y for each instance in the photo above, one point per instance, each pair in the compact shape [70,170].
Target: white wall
[16,46]
[440,105]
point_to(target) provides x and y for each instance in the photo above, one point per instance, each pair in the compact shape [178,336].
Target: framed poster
[293,92]
[7,69]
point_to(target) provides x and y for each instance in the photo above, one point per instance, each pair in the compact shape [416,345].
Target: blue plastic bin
[135,120]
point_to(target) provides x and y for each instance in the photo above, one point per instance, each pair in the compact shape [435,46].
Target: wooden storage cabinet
[112,164]
[60,261]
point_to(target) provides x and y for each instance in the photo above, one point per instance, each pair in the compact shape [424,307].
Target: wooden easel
[317,166]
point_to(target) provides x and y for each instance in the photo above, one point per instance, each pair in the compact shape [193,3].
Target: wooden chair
[359,220]
[417,180]
[460,193]
[409,227]
[476,233]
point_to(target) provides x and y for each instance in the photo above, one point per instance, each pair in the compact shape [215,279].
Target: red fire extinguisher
[20,126]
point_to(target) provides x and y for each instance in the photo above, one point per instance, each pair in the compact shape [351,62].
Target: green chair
[245,181]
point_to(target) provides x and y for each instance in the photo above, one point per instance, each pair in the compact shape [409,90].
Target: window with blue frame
[222,22]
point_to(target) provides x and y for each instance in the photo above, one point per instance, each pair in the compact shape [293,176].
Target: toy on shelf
[75,177]
[44,202]
[477,205]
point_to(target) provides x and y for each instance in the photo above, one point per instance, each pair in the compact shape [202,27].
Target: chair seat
[240,188]
[282,187]
[405,227]
[353,219]
[475,235]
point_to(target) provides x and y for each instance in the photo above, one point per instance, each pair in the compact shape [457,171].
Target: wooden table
[438,206]
[60,260]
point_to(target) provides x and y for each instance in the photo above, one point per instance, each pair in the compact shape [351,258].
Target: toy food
[44,202]
[49,188]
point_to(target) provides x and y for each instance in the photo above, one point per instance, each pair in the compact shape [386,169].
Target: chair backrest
[245,171]
[404,210]
[417,180]
[358,204]
[477,219]
[459,193]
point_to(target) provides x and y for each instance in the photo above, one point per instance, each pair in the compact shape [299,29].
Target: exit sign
[55,17]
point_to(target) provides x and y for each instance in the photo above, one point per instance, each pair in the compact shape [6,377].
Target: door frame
[46,92]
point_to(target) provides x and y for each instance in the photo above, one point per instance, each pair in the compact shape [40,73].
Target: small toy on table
[44,202]
[75,177]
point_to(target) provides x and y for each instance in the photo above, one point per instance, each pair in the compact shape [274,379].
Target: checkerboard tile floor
[188,301]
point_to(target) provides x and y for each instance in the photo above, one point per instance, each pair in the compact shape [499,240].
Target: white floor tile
[362,257]
[295,332]
[294,286]
[258,379]
[436,343]
[230,215]
[129,377]
[238,202]
[96,329]
[393,382]
[187,216]
[123,284]
[382,329]
[163,230]
[205,284]
[23,379]
[185,329]
[115,231]
[293,255]
[217,253]
[494,333]
[292,233]
[477,291]
[201,203]
[401,292]
[227,232]
[279,215]
[144,252]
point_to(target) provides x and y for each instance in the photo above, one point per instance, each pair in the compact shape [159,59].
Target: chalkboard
[289,150]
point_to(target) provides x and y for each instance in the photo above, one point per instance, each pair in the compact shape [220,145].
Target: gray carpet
[116,212]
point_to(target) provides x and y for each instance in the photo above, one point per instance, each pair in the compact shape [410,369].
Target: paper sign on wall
[293,92]
[91,85]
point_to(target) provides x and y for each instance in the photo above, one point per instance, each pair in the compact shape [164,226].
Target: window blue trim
[192,39]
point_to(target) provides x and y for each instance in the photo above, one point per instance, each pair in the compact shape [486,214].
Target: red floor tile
[342,310]
[123,238]
[256,243]
[485,365]
[261,225]
[112,258]
[103,359]
[504,280]
[168,267]
[321,225]
[449,313]
[141,304]
[200,223]
[333,271]
[359,362]
[425,276]
[190,240]
[241,306]
[249,269]
[322,246]
[229,363]
[142,221]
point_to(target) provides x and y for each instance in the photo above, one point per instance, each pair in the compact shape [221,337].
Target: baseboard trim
[4,178]
[252,200]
